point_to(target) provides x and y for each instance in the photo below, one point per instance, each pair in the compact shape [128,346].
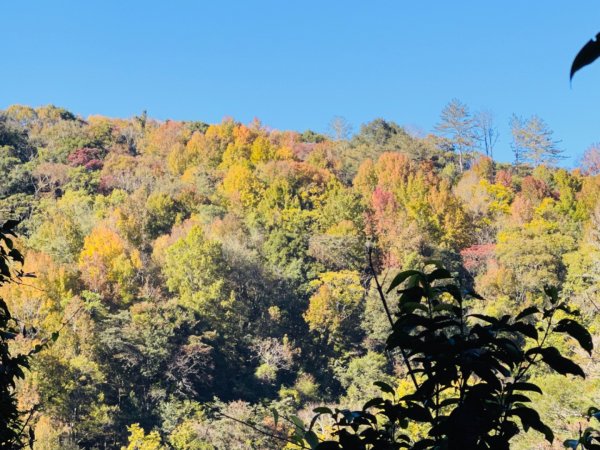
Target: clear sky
[296,64]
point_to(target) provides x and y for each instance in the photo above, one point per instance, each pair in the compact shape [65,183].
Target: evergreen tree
[458,126]
[533,142]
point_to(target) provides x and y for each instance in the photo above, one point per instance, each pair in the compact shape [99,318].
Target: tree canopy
[203,275]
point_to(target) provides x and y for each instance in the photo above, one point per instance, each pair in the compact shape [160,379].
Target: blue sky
[297,64]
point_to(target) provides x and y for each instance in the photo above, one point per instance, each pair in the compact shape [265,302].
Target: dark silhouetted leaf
[401,278]
[557,362]
[312,439]
[577,332]
[418,413]
[526,329]
[438,274]
[551,292]
[385,387]
[475,295]
[527,312]
[330,445]
[531,419]
[373,402]
[587,55]
[485,318]
[523,386]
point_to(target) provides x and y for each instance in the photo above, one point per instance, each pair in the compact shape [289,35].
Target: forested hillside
[194,270]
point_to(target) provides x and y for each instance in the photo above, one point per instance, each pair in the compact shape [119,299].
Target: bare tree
[339,129]
[276,354]
[590,162]
[486,131]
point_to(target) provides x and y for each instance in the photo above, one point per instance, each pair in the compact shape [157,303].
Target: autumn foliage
[205,274]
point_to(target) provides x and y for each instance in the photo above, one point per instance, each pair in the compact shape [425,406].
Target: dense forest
[201,275]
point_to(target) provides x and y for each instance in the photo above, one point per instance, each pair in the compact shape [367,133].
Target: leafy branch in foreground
[589,439]
[14,424]
[470,371]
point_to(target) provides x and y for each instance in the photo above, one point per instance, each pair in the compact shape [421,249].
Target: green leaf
[16,255]
[519,398]
[446,307]
[31,437]
[568,309]
[298,422]
[275,416]
[423,444]
[412,294]
[449,401]
[402,277]
[9,226]
[577,332]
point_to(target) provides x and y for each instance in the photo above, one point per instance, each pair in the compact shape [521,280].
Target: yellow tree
[448,219]
[107,265]
[335,306]
[241,186]
[139,440]
[198,151]
[262,150]
[37,303]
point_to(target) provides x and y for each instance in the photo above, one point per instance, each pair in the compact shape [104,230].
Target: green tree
[195,270]
[538,260]
[60,231]
[357,378]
